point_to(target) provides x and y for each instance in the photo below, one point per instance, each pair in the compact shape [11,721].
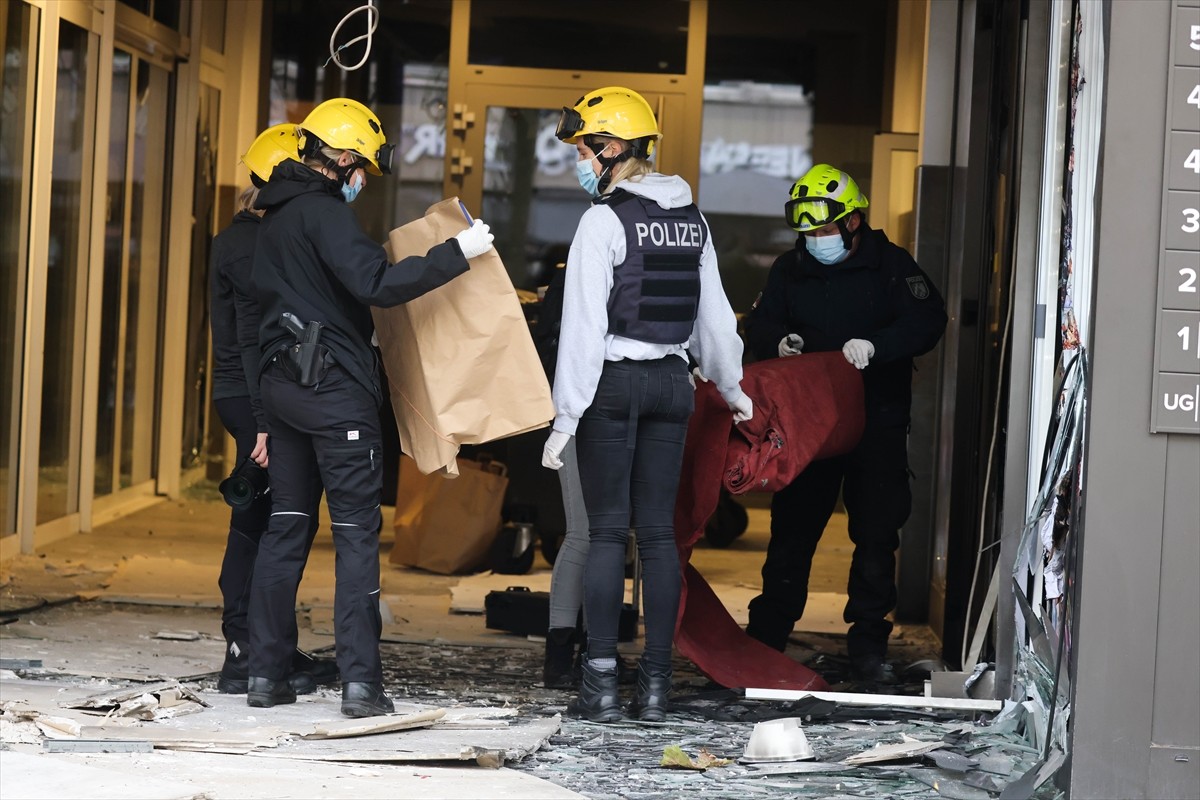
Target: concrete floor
[168,556]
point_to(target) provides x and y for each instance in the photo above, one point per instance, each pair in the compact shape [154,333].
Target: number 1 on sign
[1185,336]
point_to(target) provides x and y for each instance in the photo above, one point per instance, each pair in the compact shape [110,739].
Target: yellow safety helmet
[825,194]
[611,111]
[345,124]
[277,143]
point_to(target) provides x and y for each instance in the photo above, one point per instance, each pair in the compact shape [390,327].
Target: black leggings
[246,526]
[630,447]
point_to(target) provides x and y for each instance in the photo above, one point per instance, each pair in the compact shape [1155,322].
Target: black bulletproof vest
[657,287]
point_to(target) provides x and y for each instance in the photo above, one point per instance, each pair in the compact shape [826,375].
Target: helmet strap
[844,228]
[608,163]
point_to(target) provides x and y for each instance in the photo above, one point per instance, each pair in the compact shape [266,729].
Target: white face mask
[826,249]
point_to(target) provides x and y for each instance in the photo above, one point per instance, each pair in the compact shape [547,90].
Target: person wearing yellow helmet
[641,294]
[277,143]
[234,318]
[844,287]
[316,275]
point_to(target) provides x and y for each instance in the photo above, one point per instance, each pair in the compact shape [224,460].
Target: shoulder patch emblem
[918,287]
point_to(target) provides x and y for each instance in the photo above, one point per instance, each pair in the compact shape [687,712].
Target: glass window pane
[214,24]
[139,5]
[168,13]
[617,36]
[17,72]
[58,490]
[114,259]
[404,83]
[811,93]
[530,190]
[204,212]
[146,263]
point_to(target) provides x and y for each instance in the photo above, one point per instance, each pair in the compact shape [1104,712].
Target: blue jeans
[630,447]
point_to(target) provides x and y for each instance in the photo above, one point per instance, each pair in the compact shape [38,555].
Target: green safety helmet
[277,143]
[825,194]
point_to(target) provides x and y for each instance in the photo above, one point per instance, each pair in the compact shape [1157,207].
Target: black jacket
[878,294]
[314,261]
[234,316]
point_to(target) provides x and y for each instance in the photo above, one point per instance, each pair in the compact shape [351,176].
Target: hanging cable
[372,24]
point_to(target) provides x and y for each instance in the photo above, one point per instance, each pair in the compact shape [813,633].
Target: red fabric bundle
[806,408]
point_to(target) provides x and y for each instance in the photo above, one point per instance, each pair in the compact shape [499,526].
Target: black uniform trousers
[873,479]
[246,526]
[630,447]
[326,435]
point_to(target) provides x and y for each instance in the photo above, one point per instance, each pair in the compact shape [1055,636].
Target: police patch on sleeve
[918,287]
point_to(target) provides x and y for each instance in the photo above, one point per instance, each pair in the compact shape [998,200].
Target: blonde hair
[330,153]
[246,200]
[630,170]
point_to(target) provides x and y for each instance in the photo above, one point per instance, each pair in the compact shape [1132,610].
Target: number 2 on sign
[1185,336]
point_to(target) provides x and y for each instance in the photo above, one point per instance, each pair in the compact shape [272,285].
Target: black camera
[245,484]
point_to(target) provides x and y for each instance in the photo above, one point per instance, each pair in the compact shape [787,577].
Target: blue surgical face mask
[588,178]
[352,187]
[826,249]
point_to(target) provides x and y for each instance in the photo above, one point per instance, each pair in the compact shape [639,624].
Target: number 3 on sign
[1191,220]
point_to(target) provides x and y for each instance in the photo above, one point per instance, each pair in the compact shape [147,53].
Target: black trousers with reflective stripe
[873,480]
[327,435]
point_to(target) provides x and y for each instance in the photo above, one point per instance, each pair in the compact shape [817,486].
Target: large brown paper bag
[460,359]
[447,525]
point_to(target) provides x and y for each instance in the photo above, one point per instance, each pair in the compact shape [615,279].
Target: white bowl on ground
[778,740]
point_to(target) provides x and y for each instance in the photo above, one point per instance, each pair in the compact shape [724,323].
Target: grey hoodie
[585,343]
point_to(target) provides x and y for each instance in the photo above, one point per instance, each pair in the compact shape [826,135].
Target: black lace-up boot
[598,699]
[653,691]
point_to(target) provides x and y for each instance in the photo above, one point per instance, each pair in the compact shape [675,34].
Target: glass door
[58,486]
[19,27]
[513,173]
[135,257]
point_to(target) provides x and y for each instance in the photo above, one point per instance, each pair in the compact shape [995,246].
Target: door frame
[678,101]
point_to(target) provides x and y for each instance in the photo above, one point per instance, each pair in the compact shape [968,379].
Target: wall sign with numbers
[1176,406]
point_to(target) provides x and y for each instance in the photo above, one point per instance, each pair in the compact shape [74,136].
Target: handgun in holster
[307,360]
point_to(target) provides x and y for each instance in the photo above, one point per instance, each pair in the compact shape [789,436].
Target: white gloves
[475,240]
[858,352]
[552,452]
[742,408]
[791,345]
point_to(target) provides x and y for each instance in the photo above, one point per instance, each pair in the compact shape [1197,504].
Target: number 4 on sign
[1194,96]
[1192,162]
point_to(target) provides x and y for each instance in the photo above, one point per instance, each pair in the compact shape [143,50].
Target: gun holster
[307,361]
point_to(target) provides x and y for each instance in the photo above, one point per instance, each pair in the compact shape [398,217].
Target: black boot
[558,670]
[322,670]
[598,700]
[266,693]
[653,690]
[626,672]
[361,699]
[235,672]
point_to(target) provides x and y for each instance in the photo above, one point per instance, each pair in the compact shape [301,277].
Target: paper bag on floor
[447,525]
[460,359]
